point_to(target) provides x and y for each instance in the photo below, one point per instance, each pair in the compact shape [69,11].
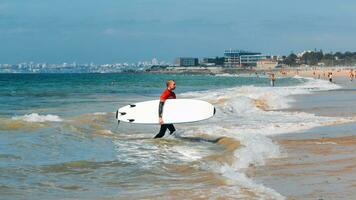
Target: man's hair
[169,81]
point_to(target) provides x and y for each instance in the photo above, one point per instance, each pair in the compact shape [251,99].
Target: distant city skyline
[85,31]
[153,61]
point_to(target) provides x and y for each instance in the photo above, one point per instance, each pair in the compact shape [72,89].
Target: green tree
[291,59]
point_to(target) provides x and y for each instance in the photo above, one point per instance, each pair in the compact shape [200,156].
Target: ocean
[59,138]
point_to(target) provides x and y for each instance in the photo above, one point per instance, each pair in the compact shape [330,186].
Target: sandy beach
[320,73]
[318,163]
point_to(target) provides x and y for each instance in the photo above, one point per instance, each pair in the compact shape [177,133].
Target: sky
[112,31]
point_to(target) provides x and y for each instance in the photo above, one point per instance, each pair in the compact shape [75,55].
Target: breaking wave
[249,115]
[35,117]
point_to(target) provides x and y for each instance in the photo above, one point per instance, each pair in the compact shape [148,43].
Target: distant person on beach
[330,75]
[273,79]
[351,75]
[167,94]
[257,76]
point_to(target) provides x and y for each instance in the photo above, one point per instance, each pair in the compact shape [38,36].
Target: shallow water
[59,138]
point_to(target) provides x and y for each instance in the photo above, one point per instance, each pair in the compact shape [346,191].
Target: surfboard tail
[117,117]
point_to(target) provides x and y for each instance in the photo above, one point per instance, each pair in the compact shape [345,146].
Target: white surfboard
[174,111]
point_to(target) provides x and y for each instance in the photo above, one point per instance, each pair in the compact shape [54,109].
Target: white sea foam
[189,154]
[35,117]
[227,75]
[333,143]
[241,114]
[100,113]
[244,182]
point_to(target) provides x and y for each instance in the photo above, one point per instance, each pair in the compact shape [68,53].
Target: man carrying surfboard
[167,94]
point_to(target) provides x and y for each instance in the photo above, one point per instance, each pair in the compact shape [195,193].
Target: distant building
[266,64]
[239,58]
[187,62]
[154,61]
[217,61]
[321,64]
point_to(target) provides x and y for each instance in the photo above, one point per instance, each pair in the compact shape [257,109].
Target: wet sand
[319,163]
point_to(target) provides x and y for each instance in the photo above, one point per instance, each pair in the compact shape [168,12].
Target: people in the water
[272,79]
[330,75]
[167,94]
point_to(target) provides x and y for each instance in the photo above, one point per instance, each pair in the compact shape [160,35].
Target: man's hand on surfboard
[161,121]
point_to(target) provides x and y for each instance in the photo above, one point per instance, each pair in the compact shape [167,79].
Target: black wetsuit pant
[163,130]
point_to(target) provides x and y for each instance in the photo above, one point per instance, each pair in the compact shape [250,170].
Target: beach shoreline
[320,162]
[311,71]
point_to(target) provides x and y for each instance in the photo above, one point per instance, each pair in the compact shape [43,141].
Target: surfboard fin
[122,113]
[131,120]
[117,114]
[132,105]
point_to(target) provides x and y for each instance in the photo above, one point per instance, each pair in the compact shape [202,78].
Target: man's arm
[162,99]
[160,108]
[160,111]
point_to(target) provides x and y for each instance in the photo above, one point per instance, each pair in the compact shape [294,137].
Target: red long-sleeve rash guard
[167,94]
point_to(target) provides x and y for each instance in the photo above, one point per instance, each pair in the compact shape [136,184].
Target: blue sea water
[59,138]
[22,92]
